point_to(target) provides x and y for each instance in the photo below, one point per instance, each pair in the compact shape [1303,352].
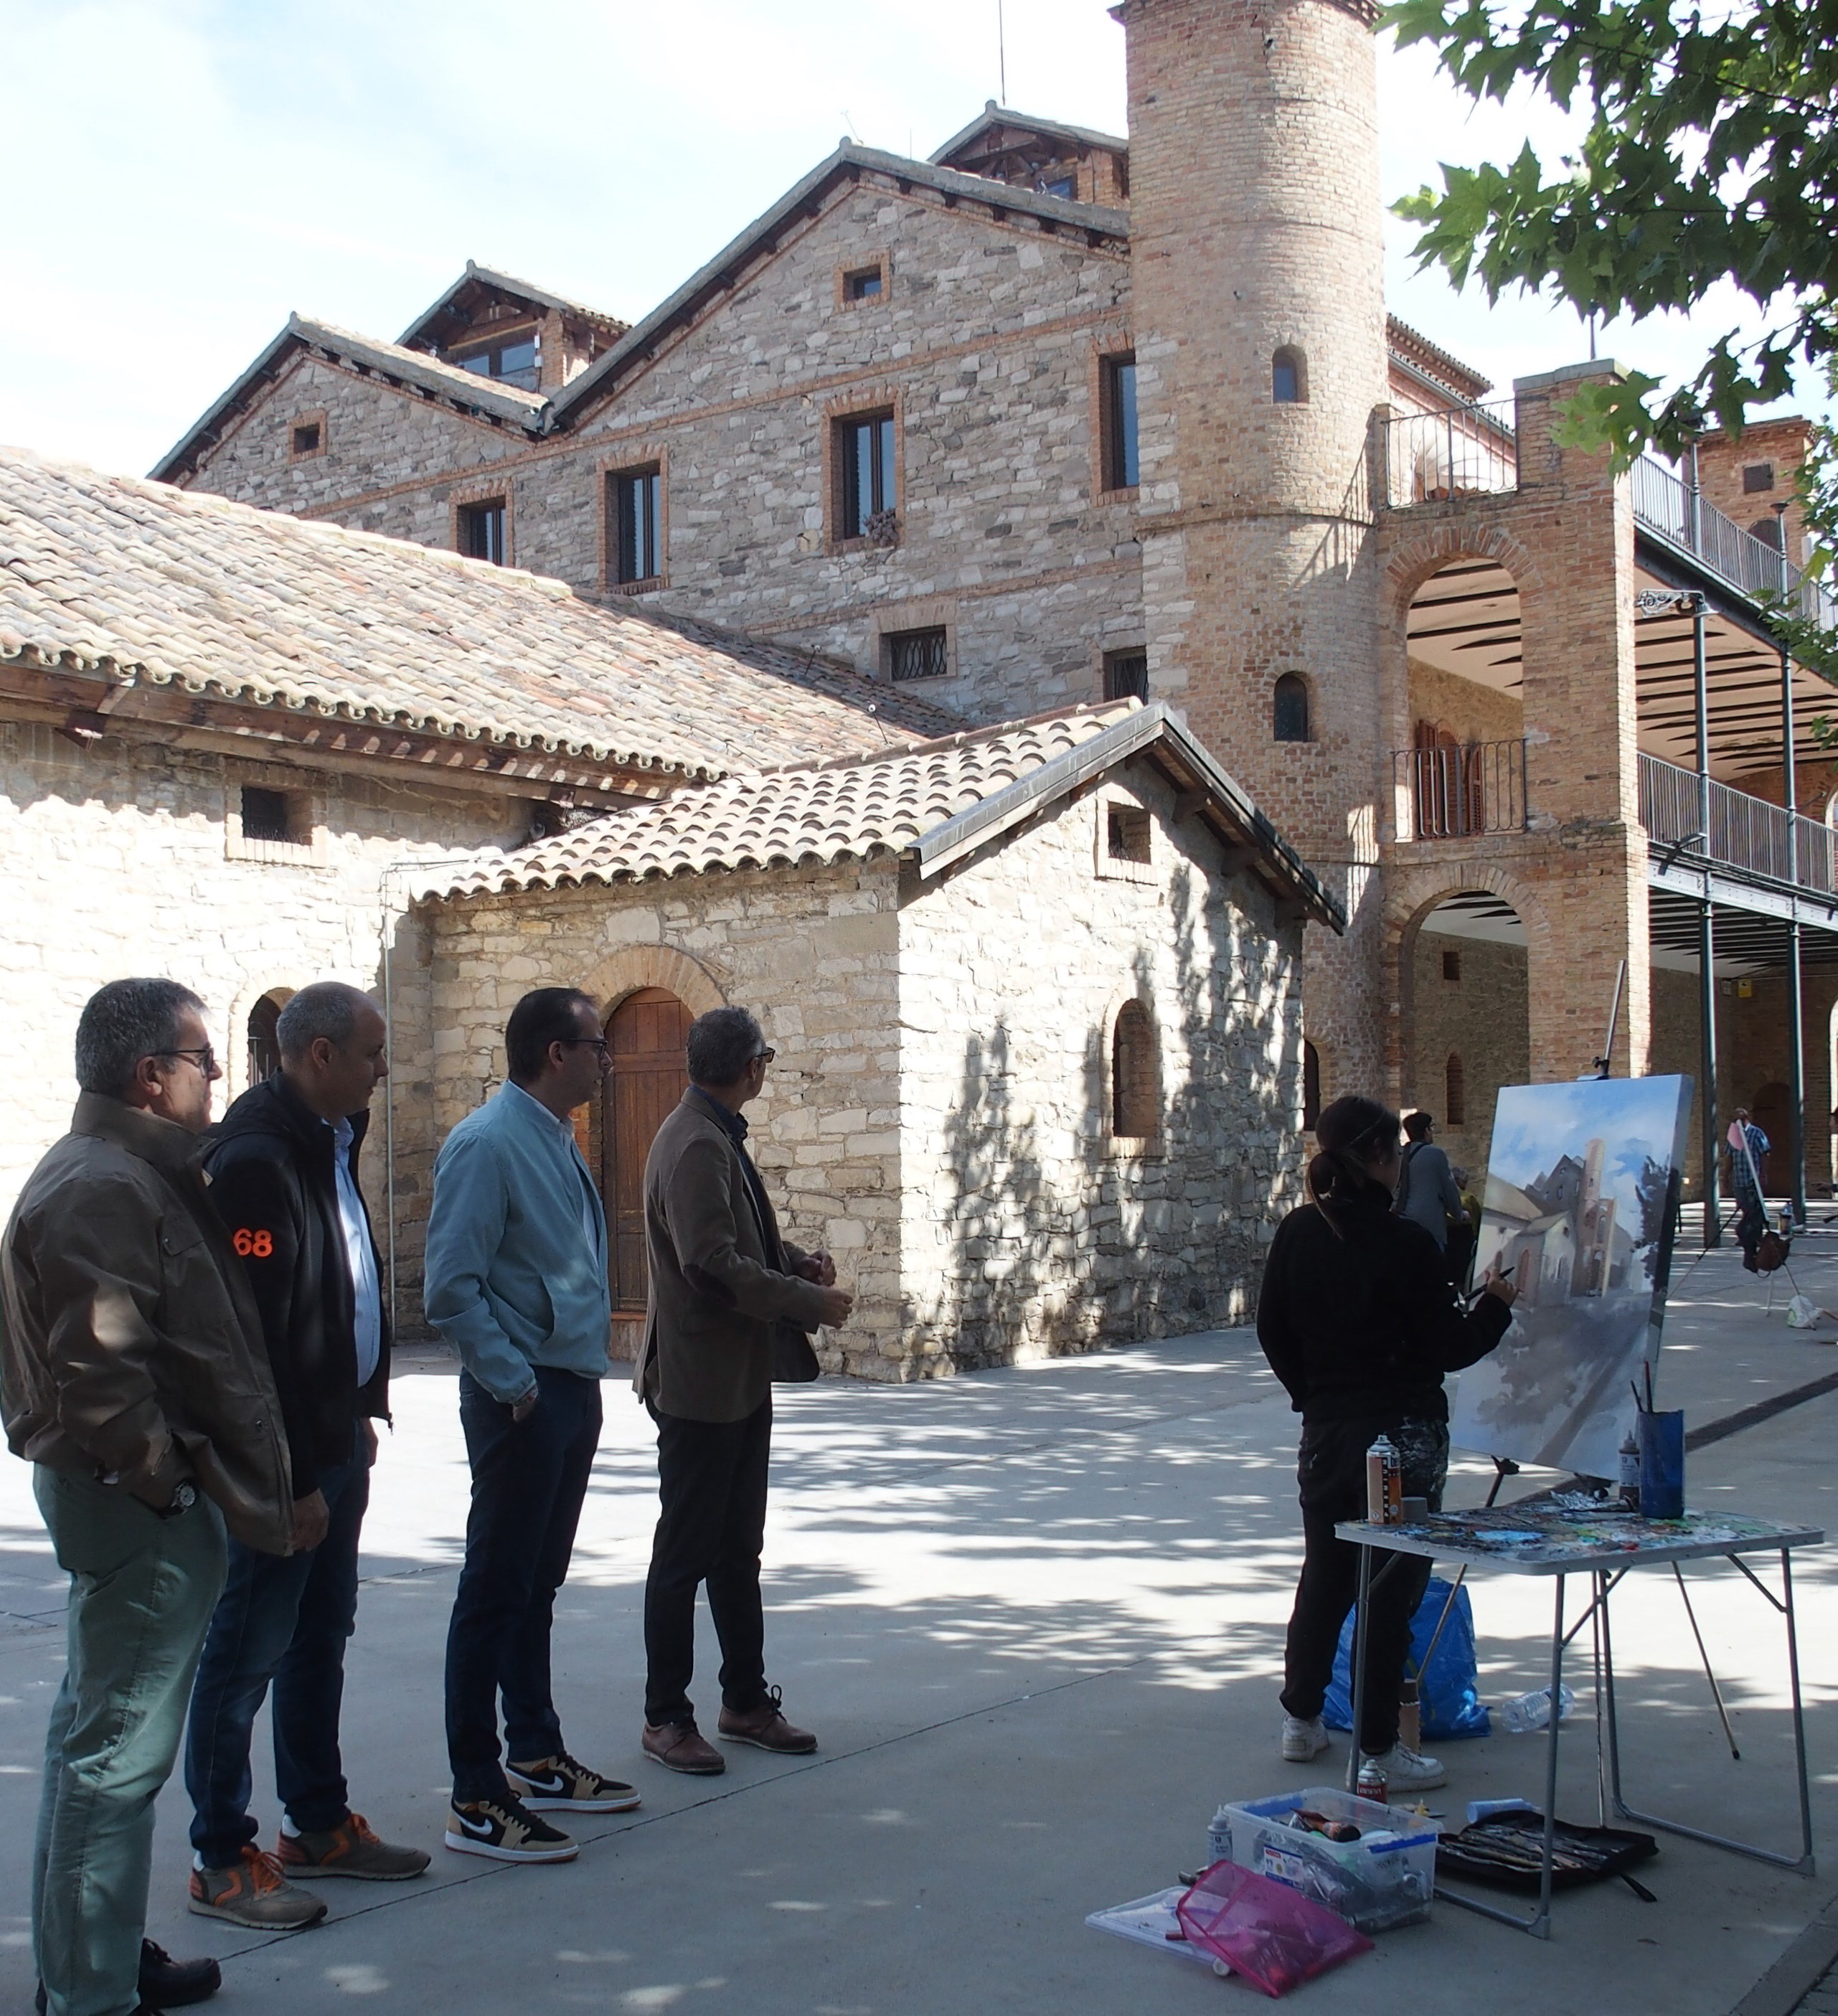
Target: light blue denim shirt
[360,1256]
[515,1273]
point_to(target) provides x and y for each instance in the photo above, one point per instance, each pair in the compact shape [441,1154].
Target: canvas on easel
[1580,1183]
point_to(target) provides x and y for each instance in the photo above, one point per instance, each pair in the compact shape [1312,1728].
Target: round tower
[1258,319]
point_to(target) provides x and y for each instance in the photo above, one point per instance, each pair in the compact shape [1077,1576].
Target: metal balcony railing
[1746,833]
[1470,787]
[1664,503]
[1468,452]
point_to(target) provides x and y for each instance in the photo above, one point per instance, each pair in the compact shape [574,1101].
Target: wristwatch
[184,1497]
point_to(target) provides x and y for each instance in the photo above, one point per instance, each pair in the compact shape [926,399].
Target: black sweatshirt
[1361,1321]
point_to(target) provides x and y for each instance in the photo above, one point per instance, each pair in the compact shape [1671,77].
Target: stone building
[1037,990]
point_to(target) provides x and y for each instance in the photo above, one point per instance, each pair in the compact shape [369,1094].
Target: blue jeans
[284,1618]
[141,1589]
[529,1480]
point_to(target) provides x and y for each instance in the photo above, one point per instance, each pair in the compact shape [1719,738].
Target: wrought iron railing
[1462,788]
[1745,832]
[1666,504]
[1466,452]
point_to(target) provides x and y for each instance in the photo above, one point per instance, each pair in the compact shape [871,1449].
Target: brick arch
[1426,551]
[286,983]
[632,966]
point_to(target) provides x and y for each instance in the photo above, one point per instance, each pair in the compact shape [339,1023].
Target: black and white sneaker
[563,1784]
[505,1831]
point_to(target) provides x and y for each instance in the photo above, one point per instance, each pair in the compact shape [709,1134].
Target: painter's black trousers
[1331,1471]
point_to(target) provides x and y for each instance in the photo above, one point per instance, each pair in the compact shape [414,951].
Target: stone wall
[123,859]
[1470,711]
[1478,1015]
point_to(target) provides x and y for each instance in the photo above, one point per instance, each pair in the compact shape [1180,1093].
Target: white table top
[1547,1540]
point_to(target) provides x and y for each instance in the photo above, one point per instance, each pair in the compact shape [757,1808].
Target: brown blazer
[707,1353]
[130,1342]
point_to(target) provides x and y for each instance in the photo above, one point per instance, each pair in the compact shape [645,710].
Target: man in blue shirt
[515,1281]
[283,1179]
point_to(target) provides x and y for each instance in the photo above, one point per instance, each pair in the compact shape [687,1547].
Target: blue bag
[1450,1705]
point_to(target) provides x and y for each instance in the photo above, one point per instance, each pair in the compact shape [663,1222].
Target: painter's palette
[1544,1540]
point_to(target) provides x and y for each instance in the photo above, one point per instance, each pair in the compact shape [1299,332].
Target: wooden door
[1773,1107]
[646,1034]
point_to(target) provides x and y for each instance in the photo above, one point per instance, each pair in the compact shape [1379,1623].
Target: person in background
[136,1382]
[515,1281]
[1748,1147]
[1464,1232]
[721,1280]
[1358,1320]
[283,1167]
[1426,1192]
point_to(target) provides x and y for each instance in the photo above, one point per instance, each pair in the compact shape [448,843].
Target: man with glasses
[135,1381]
[515,1281]
[722,1283]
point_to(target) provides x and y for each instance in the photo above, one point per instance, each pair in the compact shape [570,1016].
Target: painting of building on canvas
[1578,1184]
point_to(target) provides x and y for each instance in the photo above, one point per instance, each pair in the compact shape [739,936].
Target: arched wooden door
[645,1035]
[1773,1109]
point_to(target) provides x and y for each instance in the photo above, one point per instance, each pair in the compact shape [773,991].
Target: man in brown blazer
[721,1280]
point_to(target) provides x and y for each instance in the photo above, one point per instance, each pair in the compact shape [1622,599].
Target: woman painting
[1359,1322]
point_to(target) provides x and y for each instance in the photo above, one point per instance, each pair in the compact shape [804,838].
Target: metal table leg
[1361,1606]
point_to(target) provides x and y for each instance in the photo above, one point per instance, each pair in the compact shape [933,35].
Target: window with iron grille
[865,454]
[917,654]
[481,532]
[266,814]
[638,503]
[1454,1089]
[1121,469]
[1126,674]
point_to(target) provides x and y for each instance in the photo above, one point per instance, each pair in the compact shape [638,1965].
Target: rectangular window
[481,532]
[1126,674]
[515,363]
[265,813]
[1127,833]
[865,286]
[1120,468]
[1063,185]
[865,450]
[1451,966]
[306,439]
[917,654]
[1758,476]
[638,505]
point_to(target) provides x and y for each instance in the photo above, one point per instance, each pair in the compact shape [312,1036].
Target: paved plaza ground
[1035,1617]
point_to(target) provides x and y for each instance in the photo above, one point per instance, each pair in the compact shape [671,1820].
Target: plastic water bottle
[1526,1712]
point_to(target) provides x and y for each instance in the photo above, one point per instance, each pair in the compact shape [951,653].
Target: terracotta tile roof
[178,588]
[939,801]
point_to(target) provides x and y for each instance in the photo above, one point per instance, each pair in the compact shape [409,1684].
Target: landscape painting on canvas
[1578,1183]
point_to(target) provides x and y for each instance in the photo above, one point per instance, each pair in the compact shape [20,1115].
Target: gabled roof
[477,276]
[1448,373]
[802,200]
[993,115]
[469,391]
[150,587]
[936,803]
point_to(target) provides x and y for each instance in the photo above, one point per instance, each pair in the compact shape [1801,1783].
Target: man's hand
[369,1442]
[312,1516]
[818,1267]
[522,1409]
[833,1305]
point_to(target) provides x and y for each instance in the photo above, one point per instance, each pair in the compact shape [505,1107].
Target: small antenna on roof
[1001,53]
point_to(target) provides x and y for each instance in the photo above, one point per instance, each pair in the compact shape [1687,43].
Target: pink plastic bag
[1274,1936]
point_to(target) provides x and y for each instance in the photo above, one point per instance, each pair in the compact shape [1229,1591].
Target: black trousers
[711,1527]
[1331,1471]
[529,1480]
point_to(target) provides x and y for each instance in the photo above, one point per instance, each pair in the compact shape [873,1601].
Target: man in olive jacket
[721,1280]
[135,1381]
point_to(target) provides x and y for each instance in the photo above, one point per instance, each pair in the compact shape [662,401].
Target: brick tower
[1258,283]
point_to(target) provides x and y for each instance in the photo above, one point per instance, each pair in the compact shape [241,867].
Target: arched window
[1768,531]
[1454,1092]
[264,1049]
[1288,713]
[1310,1083]
[1134,1113]
[1288,377]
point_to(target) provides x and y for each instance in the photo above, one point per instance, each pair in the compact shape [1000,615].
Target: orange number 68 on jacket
[253,1245]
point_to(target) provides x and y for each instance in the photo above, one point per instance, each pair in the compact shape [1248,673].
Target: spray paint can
[1630,1471]
[1384,1484]
[1371,1783]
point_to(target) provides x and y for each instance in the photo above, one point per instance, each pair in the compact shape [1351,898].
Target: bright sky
[182,173]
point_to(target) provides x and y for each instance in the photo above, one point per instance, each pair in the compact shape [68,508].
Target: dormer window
[517,361]
[1062,185]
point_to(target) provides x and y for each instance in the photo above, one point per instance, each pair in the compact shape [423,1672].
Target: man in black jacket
[283,1178]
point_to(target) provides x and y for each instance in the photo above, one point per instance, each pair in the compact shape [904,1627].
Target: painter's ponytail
[1353,1132]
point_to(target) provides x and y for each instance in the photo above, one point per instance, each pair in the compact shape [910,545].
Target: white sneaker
[1303,1741]
[1407,1770]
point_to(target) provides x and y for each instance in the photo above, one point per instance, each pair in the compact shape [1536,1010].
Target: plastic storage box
[1384,1878]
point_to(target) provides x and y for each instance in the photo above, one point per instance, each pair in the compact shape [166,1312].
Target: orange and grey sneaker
[350,1848]
[505,1831]
[252,1892]
[563,1784]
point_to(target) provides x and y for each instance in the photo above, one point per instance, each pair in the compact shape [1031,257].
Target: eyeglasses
[204,1057]
[762,1056]
[592,1042]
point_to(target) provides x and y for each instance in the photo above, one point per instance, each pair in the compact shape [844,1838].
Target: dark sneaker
[680,1746]
[350,1848]
[563,1784]
[167,1983]
[766,1727]
[505,1831]
[253,1892]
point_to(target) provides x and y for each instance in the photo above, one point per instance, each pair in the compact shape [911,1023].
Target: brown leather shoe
[680,1746]
[766,1727]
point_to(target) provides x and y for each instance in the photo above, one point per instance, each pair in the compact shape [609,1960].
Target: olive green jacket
[130,1343]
